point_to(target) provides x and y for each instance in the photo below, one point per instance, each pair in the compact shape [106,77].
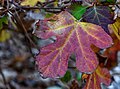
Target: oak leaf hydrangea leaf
[99,15]
[72,37]
[94,80]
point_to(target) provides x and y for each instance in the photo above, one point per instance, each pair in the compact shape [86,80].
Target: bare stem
[26,34]
[4,80]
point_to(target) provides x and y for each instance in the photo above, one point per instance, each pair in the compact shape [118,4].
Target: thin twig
[117,6]
[4,80]
[29,46]
[26,34]
[8,4]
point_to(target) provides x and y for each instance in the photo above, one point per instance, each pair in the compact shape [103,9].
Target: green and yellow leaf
[4,35]
[115,27]
[31,2]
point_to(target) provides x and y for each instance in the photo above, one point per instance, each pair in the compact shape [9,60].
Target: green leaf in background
[111,1]
[48,15]
[4,35]
[79,76]
[4,19]
[78,10]
[67,77]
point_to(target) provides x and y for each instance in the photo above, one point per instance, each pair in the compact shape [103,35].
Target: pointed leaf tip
[72,37]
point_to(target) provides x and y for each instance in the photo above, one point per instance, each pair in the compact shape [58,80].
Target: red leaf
[101,75]
[111,53]
[72,37]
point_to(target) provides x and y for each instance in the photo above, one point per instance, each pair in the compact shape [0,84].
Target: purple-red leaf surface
[101,75]
[72,37]
[99,15]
